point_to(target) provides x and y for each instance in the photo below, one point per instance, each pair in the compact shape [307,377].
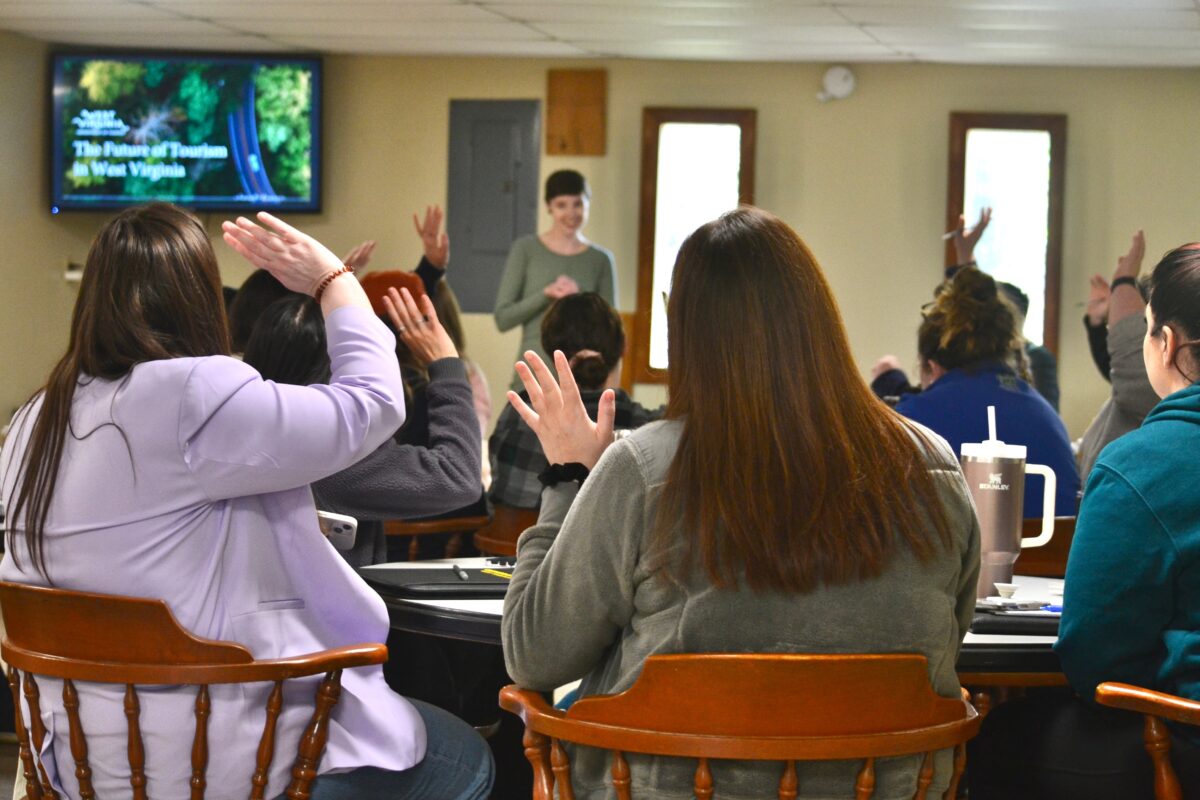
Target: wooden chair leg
[312,742]
[562,770]
[960,764]
[535,750]
[33,789]
[79,749]
[789,785]
[37,729]
[1158,745]
[864,786]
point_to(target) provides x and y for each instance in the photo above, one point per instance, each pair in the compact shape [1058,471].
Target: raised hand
[435,240]
[1099,294]
[965,241]
[419,329]
[1130,264]
[360,256]
[556,414]
[298,260]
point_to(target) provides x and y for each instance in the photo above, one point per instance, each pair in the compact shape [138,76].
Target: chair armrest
[1147,701]
[355,655]
[526,703]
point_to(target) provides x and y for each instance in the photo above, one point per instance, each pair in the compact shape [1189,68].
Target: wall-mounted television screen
[219,132]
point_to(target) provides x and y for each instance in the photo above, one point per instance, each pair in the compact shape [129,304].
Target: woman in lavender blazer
[152,464]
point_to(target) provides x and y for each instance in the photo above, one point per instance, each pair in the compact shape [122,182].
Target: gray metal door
[493,192]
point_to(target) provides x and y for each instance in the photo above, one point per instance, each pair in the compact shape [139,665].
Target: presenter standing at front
[542,268]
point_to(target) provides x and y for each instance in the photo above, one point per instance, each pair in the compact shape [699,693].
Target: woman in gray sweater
[396,480]
[780,507]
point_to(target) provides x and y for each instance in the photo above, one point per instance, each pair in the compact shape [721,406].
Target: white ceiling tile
[1059,56]
[429,31]
[620,31]
[985,5]
[1134,19]
[389,46]
[1100,32]
[1095,37]
[77,9]
[651,13]
[151,29]
[286,11]
[168,41]
[744,51]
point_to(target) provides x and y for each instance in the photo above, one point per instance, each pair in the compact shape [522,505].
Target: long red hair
[789,472]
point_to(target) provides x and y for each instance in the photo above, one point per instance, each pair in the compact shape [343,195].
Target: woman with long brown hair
[153,464]
[779,507]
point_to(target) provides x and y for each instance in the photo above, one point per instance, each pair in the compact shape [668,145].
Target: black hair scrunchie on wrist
[558,473]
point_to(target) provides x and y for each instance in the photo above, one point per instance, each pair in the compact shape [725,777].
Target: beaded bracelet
[328,279]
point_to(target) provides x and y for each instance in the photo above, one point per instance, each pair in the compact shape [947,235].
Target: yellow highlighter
[497,573]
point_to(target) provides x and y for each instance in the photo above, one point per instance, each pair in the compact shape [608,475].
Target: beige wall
[863,180]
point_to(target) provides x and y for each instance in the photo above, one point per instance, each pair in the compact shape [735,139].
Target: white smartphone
[339,529]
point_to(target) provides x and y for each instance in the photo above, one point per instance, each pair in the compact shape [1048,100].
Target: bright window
[697,164]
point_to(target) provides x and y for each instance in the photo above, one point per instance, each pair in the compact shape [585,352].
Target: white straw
[992,423]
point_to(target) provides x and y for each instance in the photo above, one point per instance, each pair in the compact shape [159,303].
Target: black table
[466,636]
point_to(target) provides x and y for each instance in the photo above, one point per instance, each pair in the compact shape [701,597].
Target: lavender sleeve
[240,435]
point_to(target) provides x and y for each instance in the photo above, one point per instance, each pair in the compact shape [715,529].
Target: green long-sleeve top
[531,266]
[587,602]
[1131,608]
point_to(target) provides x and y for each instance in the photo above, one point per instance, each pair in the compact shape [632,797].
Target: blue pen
[1053,609]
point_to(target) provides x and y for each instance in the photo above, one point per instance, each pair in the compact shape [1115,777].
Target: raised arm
[1131,389]
[241,435]
[573,587]
[399,480]
[517,303]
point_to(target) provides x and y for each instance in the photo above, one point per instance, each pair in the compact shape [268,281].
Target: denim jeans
[457,766]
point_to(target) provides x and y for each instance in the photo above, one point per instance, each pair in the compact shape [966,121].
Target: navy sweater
[955,406]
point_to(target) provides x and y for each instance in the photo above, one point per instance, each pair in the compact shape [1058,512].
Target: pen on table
[461,573]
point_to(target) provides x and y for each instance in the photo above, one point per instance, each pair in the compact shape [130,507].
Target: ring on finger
[401,329]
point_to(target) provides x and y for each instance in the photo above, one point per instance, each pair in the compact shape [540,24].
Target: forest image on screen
[206,133]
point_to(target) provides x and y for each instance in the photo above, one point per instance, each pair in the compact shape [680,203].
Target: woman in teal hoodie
[1131,609]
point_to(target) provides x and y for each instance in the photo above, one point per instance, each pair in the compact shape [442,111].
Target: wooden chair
[759,707]
[1156,707]
[77,636]
[499,537]
[1049,560]
[456,526]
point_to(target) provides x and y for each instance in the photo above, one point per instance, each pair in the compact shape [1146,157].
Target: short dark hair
[1015,296]
[288,342]
[585,321]
[566,182]
[1174,289]
[257,292]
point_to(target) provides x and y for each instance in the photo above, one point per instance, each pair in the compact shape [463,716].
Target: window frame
[1054,124]
[653,118]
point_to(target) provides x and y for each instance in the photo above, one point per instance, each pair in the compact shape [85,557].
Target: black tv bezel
[59,204]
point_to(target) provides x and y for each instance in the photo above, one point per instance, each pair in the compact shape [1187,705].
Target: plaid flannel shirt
[517,457]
